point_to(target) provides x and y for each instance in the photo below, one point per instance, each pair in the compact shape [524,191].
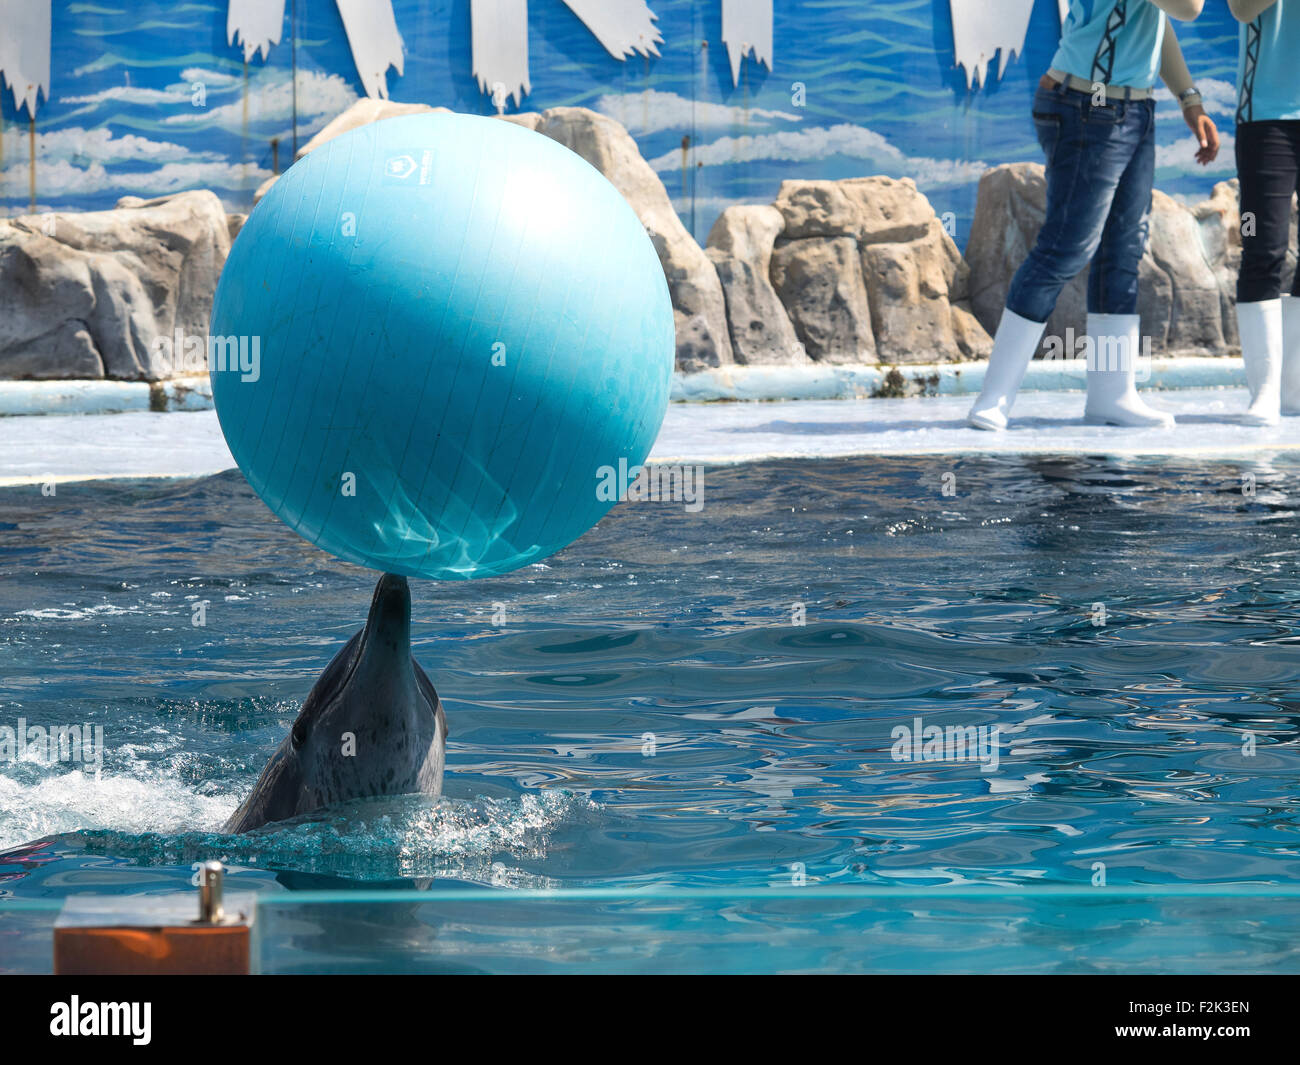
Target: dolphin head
[372,725]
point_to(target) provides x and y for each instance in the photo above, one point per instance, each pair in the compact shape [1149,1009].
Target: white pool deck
[37,449]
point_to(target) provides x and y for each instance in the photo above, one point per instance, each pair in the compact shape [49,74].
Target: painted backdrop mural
[146,98]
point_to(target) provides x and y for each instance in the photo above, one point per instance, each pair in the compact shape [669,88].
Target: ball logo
[401,169]
[400,166]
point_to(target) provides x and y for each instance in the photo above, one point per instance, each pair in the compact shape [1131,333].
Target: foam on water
[63,801]
[73,613]
[151,805]
[406,837]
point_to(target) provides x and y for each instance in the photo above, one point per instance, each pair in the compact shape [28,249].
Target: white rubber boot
[1291,354]
[1112,372]
[1260,325]
[1016,341]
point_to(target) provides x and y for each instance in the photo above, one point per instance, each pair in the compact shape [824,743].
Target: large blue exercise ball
[452,329]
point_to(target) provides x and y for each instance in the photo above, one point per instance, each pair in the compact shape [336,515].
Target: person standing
[1094,114]
[1268,164]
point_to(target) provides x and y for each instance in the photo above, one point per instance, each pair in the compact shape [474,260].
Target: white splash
[257,24]
[376,45]
[622,26]
[747,28]
[499,43]
[25,51]
[58,801]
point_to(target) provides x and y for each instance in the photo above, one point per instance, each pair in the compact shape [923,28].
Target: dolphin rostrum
[372,725]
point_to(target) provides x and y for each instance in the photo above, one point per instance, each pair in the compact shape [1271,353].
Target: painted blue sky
[882,95]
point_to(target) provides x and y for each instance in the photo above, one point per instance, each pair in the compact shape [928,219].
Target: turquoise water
[650,717]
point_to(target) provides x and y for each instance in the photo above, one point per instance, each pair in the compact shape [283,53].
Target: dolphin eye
[299,734]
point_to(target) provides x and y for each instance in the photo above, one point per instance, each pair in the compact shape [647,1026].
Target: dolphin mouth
[384,643]
[388,626]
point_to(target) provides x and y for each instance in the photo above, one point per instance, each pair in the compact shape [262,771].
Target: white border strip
[953,379]
[762,383]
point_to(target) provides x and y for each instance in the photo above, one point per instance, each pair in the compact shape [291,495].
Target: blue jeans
[1100,167]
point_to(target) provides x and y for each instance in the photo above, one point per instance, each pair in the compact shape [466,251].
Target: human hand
[1206,133]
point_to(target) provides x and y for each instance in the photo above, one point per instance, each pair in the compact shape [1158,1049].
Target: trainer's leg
[1085,161]
[1291,305]
[1267,167]
[1014,345]
[1115,345]
[1260,325]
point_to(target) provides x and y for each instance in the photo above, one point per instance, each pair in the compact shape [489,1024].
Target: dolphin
[371,725]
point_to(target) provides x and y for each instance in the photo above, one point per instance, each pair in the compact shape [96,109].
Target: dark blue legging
[1268,163]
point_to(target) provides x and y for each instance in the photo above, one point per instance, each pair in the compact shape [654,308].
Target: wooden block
[151,935]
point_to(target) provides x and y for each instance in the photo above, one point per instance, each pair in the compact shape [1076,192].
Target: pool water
[706,703]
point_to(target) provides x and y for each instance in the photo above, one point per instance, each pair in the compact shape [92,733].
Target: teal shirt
[1131,49]
[1269,88]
